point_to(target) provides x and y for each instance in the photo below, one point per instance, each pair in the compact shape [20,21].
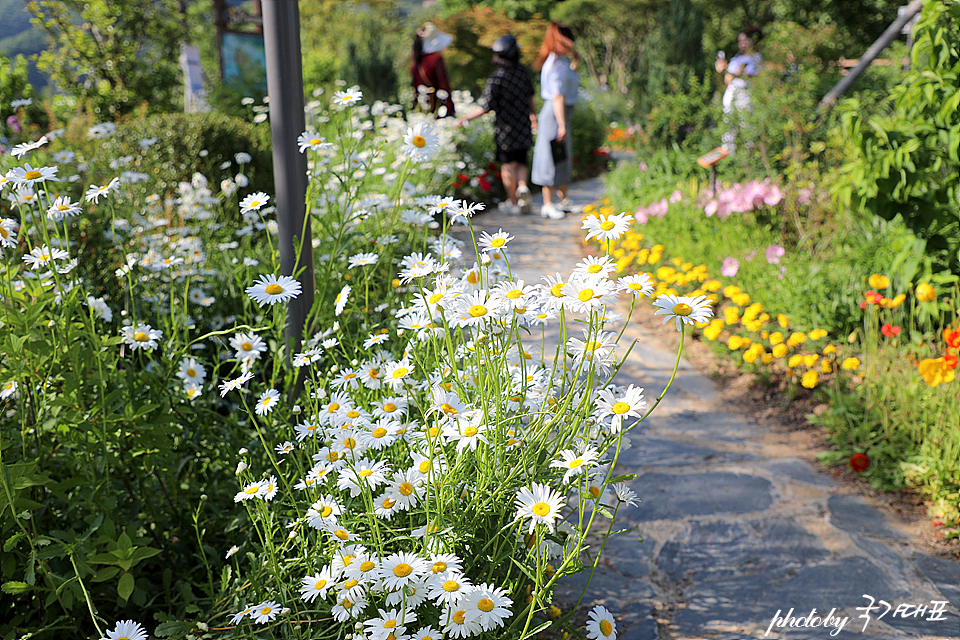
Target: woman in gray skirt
[559,84]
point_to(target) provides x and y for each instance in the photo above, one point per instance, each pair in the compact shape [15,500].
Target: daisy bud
[292,535]
[296,410]
[354,362]
[334,369]
[284,611]
[242,452]
[241,467]
[203,496]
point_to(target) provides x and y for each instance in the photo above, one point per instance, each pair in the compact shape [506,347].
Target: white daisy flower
[316,586]
[599,266]
[639,284]
[362,260]
[540,504]
[94,192]
[8,233]
[600,624]
[310,140]
[141,336]
[247,346]
[488,606]
[683,309]
[589,294]
[192,371]
[231,385]
[341,300]
[126,630]
[347,98]
[254,202]
[265,612]
[267,401]
[398,374]
[62,208]
[609,227]
[620,407]
[456,623]
[270,289]
[575,463]
[448,587]
[420,143]
[494,242]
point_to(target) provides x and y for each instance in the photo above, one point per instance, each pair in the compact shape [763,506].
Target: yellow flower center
[388,503]
[315,140]
[399,373]
[333,456]
[274,289]
[320,584]
[606,225]
[326,511]
[419,142]
[62,207]
[353,413]
[439,567]
[473,277]
[266,610]
[246,346]
[365,473]
[379,432]
[191,372]
[31,175]
[595,492]
[347,604]
[450,586]
[435,298]
[252,490]
[497,242]
[576,463]
[682,309]
[351,583]
[334,406]
[557,290]
[477,310]
[470,431]
[460,617]
[350,376]
[349,443]
[514,294]
[342,534]
[424,466]
[541,509]
[636,286]
[485,604]
[605,627]
[585,295]
[620,408]
[140,336]
[389,624]
[592,345]
[402,570]
[406,488]
[366,566]
[594,268]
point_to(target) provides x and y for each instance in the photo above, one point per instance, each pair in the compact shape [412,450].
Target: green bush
[189,143]
[589,129]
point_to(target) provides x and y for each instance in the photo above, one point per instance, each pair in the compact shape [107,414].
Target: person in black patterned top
[509,93]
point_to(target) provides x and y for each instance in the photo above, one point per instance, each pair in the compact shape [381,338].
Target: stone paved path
[732,530]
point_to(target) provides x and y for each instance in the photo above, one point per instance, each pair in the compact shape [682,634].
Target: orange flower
[859,462]
[936,371]
[878,281]
[889,330]
[952,338]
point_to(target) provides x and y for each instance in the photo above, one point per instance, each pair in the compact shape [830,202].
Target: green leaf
[13,587]
[626,477]
[174,627]
[106,573]
[126,586]
[12,541]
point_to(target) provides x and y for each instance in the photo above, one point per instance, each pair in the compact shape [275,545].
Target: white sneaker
[523,198]
[509,209]
[568,205]
[552,212]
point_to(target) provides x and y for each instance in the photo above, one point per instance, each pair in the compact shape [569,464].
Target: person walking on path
[430,84]
[509,93]
[553,152]
[737,75]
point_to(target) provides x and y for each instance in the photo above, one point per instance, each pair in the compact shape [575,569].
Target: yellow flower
[712,331]
[753,325]
[851,364]
[826,367]
[654,258]
[766,358]
[894,303]
[642,256]
[776,338]
[677,262]
[734,343]
[816,334]
[741,299]
[878,281]
[712,285]
[750,356]
[810,359]
[782,319]
[925,292]
[731,291]
[731,315]
[935,371]
[665,273]
[829,350]
[795,361]
[810,379]
[780,351]
[797,337]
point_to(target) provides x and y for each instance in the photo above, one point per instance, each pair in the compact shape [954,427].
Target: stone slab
[850,512]
[667,497]
[662,452]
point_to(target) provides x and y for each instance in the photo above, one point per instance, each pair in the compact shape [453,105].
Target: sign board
[243,59]
[711,158]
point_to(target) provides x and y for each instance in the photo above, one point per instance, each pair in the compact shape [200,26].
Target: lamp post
[281,39]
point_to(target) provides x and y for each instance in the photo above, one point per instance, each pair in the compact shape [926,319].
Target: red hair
[558,40]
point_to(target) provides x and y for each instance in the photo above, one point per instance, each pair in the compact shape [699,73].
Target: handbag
[559,151]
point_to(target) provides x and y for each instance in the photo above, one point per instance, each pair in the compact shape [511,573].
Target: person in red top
[430,83]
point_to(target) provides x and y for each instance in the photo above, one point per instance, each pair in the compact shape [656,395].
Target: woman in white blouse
[559,85]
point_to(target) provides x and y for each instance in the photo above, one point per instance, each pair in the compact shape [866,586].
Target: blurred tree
[513,9]
[112,54]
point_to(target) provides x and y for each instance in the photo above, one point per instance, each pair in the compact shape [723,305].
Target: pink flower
[643,166]
[773,196]
[773,253]
[641,216]
[730,267]
[711,208]
[750,256]
[676,196]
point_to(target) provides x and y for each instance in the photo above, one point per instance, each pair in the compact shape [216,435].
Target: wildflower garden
[441,449]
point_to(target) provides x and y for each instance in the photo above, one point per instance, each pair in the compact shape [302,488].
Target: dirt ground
[789,428]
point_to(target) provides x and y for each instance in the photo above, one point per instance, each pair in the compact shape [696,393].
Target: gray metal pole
[881,43]
[281,39]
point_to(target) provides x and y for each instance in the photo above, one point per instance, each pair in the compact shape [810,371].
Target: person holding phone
[553,152]
[737,75]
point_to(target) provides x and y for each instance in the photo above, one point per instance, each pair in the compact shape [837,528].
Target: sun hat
[506,47]
[433,39]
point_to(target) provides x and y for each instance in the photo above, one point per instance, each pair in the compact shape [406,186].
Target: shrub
[187,144]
